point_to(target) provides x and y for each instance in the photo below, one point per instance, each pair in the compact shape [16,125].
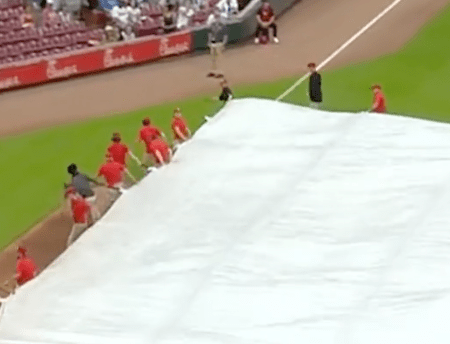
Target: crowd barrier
[95,60]
[141,50]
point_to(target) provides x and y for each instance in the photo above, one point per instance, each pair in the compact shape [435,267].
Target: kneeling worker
[180,129]
[159,152]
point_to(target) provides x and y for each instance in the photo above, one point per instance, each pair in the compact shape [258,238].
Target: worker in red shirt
[379,101]
[180,129]
[266,20]
[146,134]
[159,151]
[26,270]
[113,173]
[81,210]
[119,151]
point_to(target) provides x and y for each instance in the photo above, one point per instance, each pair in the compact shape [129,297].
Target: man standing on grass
[80,210]
[180,129]
[379,101]
[82,184]
[315,86]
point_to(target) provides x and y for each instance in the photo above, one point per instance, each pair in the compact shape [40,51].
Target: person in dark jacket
[315,86]
[226,94]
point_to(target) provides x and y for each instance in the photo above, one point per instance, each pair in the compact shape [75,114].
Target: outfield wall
[141,50]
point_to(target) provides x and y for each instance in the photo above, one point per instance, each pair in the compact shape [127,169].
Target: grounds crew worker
[315,86]
[379,100]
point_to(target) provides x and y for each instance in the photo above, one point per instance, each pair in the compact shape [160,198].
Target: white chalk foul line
[341,48]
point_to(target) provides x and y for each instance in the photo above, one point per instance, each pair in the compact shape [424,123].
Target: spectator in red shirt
[379,101]
[81,210]
[266,20]
[180,129]
[159,151]
[119,151]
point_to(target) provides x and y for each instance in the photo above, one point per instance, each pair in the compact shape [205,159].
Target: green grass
[33,169]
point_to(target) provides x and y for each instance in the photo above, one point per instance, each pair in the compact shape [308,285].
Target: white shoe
[275,39]
[256,40]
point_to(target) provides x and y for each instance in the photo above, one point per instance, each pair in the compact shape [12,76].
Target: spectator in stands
[170,18]
[228,8]
[49,16]
[80,210]
[120,15]
[184,17]
[26,18]
[134,13]
[111,33]
[69,9]
[266,20]
[217,39]
[128,34]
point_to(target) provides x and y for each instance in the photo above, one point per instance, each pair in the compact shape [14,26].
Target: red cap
[311,65]
[69,190]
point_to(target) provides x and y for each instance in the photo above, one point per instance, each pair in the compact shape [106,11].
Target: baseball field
[412,66]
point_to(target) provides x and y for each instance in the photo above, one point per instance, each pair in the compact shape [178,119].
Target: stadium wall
[244,26]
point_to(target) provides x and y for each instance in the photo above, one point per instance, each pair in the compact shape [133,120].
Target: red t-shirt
[266,14]
[26,269]
[180,123]
[80,210]
[161,146]
[148,133]
[381,101]
[118,152]
[113,172]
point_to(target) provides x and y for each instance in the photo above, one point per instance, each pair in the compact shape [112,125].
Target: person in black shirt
[315,86]
[226,94]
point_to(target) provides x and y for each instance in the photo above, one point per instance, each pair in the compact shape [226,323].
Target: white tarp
[276,224]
